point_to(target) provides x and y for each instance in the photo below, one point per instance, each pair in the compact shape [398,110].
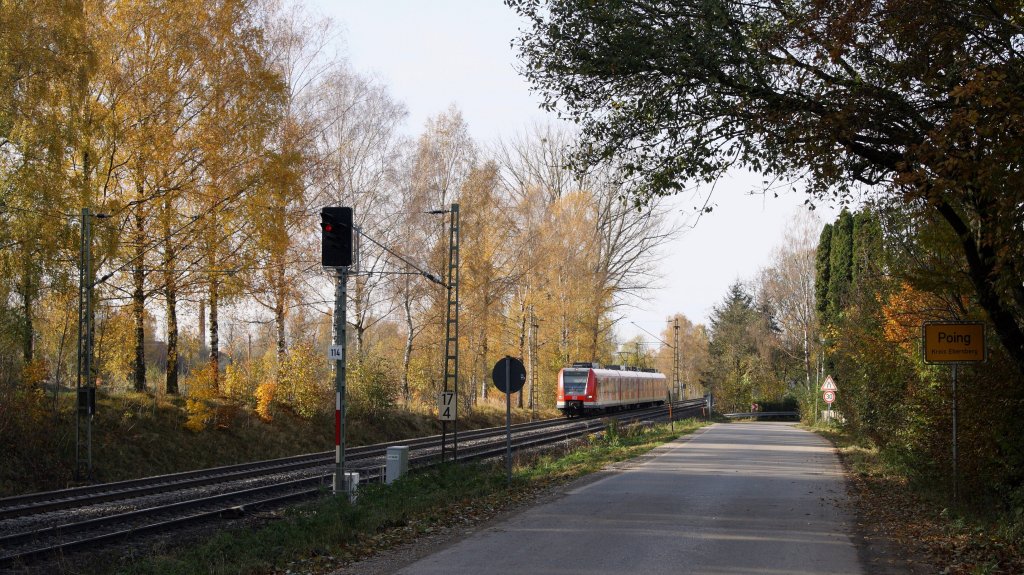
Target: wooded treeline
[911,110]
[205,137]
[883,272]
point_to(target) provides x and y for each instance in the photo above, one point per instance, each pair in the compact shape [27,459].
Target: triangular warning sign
[829,385]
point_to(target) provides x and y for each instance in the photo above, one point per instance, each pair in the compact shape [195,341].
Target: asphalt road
[737,498]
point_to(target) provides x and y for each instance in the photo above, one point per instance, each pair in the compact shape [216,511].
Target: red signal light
[336,239]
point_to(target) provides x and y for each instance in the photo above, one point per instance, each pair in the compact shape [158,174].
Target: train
[589,388]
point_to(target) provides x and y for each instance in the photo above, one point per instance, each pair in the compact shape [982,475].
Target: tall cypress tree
[822,274]
[867,246]
[840,265]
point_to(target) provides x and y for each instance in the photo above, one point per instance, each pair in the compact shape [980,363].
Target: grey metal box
[397,462]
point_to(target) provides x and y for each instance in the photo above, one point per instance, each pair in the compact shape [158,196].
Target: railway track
[39,525]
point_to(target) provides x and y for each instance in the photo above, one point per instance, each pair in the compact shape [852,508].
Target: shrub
[303,382]
[200,403]
[372,387]
[264,399]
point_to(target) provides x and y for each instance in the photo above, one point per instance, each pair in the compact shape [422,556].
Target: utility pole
[451,339]
[85,384]
[675,361]
[534,372]
[85,390]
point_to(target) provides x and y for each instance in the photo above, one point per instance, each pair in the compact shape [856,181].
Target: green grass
[326,534]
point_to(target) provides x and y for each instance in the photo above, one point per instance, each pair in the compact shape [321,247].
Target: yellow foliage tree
[264,399]
[303,381]
[200,402]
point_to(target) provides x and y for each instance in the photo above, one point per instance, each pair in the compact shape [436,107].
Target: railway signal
[336,236]
[336,252]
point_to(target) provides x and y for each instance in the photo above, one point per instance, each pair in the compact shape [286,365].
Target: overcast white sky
[435,53]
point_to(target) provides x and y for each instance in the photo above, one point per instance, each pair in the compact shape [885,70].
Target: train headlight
[590,397]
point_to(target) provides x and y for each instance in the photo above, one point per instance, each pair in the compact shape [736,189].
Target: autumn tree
[602,249]
[488,229]
[917,103]
[45,62]
[243,103]
[788,283]
[439,164]
[280,200]
[152,70]
[362,149]
[743,349]
[534,179]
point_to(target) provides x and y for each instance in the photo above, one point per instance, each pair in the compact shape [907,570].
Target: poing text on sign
[954,342]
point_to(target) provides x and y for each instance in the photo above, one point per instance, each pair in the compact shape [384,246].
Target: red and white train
[587,388]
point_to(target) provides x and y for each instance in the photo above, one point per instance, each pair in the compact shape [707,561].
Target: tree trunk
[281,312]
[484,344]
[280,320]
[171,295]
[407,356]
[359,324]
[807,361]
[202,329]
[595,320]
[214,343]
[171,288]
[171,386]
[139,306]
[532,357]
[280,323]
[28,301]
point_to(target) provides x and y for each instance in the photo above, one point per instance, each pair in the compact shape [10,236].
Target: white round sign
[829,396]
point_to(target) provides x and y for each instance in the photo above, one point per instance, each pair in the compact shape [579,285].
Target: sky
[435,53]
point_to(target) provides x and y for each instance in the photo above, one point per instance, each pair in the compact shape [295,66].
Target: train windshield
[575,382]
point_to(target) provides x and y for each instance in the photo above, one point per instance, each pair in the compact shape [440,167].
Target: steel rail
[42,502]
[297,489]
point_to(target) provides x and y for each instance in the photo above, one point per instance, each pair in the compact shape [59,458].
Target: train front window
[574,382]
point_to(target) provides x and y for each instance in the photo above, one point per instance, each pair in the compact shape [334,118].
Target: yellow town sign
[960,342]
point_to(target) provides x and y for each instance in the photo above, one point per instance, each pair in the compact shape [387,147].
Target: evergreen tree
[822,274]
[744,341]
[867,246]
[840,265]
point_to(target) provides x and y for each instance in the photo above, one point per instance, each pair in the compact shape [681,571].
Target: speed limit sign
[829,396]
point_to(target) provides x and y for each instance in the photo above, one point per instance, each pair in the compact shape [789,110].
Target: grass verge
[327,534]
[917,518]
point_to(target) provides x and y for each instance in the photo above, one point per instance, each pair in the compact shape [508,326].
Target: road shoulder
[393,559]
